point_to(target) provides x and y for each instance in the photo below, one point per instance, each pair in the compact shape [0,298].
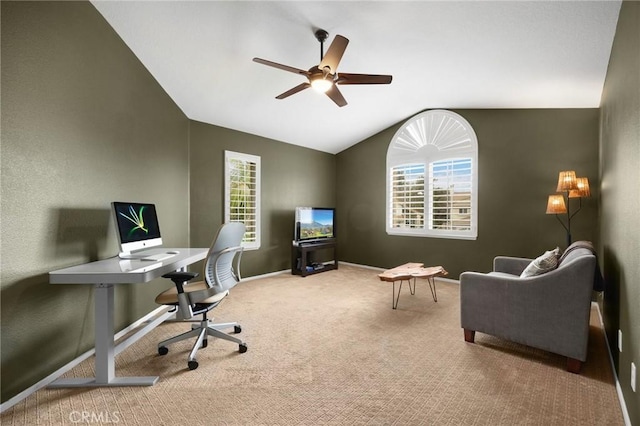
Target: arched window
[432,177]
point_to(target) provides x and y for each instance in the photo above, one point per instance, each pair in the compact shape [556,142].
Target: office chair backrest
[219,269]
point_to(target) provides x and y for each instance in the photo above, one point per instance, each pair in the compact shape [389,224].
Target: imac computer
[137,228]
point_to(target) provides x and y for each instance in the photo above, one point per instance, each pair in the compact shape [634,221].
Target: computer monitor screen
[137,226]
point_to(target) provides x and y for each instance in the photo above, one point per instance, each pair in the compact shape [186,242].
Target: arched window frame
[444,139]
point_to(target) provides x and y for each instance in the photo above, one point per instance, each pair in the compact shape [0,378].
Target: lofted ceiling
[448,54]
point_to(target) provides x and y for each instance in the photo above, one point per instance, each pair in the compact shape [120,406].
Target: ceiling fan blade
[334,53]
[346,78]
[336,96]
[293,91]
[280,66]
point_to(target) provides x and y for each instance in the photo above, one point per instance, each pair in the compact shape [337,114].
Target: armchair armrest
[510,265]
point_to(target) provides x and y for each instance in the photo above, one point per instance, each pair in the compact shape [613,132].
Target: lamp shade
[555,205]
[567,181]
[583,189]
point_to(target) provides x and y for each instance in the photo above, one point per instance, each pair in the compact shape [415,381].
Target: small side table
[411,271]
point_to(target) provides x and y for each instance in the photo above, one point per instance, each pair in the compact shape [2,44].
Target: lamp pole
[568,220]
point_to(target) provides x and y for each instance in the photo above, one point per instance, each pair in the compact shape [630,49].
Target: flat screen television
[137,226]
[314,224]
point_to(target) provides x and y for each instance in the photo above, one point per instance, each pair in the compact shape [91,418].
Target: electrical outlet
[633,377]
[620,340]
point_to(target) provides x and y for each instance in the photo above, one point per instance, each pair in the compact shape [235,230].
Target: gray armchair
[549,311]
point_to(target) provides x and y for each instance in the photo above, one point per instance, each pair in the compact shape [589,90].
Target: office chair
[221,272]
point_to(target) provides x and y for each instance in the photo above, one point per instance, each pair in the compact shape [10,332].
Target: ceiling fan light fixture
[321,85]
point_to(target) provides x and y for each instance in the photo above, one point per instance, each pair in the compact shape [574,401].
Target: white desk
[103,274]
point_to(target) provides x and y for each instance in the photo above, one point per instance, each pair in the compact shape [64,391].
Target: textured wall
[620,237]
[83,124]
[291,176]
[520,153]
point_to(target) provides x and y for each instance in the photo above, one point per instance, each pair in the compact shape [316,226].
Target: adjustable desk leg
[105,349]
[105,363]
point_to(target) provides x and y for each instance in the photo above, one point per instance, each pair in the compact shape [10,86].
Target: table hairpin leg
[394,298]
[432,287]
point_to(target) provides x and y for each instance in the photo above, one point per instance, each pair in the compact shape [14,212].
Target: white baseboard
[623,405]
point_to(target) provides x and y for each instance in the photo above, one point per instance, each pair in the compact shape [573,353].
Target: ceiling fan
[324,77]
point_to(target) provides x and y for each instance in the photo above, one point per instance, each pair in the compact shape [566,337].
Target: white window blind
[450,186]
[407,195]
[242,194]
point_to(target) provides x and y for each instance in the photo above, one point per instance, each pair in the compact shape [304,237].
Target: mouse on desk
[173,252]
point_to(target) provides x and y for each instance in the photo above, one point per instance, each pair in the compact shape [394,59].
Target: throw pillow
[544,263]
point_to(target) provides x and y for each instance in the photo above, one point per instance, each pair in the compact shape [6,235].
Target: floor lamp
[571,187]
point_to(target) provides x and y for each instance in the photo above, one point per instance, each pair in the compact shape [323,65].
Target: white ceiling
[449,54]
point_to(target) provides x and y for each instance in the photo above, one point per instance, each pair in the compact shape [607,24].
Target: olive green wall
[620,202]
[520,153]
[83,124]
[291,176]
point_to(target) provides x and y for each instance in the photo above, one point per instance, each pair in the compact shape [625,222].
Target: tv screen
[314,223]
[137,226]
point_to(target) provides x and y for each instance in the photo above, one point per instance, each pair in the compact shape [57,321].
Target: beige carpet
[329,350]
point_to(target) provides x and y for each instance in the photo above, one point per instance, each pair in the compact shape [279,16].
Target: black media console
[301,254]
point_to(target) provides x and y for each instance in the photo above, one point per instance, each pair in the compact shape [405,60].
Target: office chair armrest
[180,277]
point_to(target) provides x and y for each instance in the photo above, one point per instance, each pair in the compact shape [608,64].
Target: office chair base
[203,330]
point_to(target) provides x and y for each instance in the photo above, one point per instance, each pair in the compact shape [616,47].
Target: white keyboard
[158,257]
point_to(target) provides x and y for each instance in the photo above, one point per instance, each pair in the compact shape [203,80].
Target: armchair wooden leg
[469,335]
[573,365]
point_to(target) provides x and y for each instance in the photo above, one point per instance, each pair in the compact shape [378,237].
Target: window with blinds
[242,194]
[450,185]
[432,177]
[407,196]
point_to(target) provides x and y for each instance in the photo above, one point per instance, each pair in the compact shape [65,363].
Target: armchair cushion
[542,264]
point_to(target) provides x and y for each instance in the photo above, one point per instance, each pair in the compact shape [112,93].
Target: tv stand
[300,264]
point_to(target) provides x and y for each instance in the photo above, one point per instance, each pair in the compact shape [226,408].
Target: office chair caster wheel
[192,365]
[205,343]
[163,350]
[242,348]
[237,329]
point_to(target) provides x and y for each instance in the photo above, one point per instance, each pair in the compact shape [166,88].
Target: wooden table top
[412,270]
